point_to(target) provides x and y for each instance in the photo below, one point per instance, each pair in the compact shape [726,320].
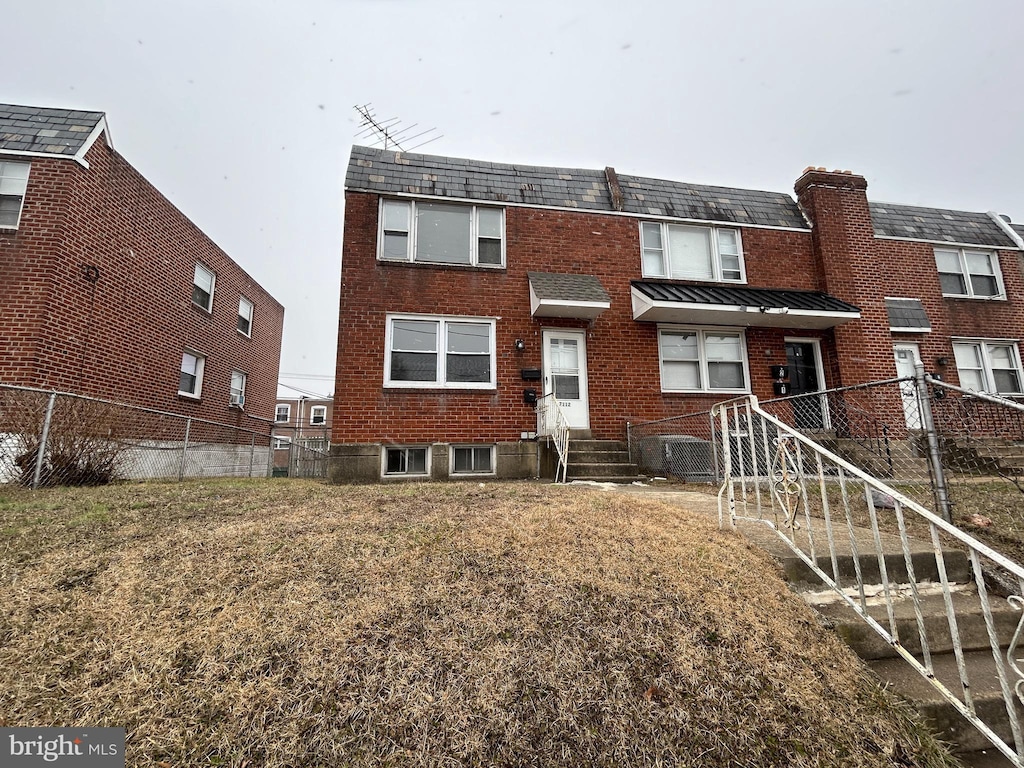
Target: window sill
[190,396]
[245,335]
[715,392]
[962,297]
[201,308]
[694,280]
[436,265]
[439,389]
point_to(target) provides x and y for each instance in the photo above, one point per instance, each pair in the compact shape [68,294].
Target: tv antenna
[389,133]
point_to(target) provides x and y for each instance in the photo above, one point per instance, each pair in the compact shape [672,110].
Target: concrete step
[592,457]
[596,445]
[947,723]
[970,620]
[601,469]
[803,578]
[620,479]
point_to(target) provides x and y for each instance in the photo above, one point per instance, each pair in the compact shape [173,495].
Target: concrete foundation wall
[362,463]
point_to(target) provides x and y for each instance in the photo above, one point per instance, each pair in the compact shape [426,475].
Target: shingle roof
[383,171]
[938,224]
[908,314]
[41,129]
[558,287]
[740,296]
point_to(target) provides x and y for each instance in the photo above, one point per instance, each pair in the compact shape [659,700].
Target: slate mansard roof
[44,130]
[388,172]
[384,172]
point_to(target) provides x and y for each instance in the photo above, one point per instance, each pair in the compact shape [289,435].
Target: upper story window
[13,183]
[702,360]
[969,274]
[237,391]
[684,252]
[455,353]
[283,413]
[441,233]
[989,366]
[318,415]
[202,288]
[244,316]
[191,382]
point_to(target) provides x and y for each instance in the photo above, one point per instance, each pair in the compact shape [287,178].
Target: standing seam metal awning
[727,305]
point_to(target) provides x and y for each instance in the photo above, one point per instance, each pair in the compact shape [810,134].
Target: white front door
[906,354]
[565,374]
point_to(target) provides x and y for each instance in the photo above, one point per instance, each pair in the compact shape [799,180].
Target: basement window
[406,461]
[441,233]
[472,460]
[13,183]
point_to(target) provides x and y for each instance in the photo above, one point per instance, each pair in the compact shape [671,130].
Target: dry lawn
[273,623]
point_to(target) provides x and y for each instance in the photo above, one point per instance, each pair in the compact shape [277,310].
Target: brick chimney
[843,240]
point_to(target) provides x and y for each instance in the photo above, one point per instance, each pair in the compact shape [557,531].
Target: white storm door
[565,374]
[906,353]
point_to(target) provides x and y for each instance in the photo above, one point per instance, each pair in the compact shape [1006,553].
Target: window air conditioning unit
[238,400]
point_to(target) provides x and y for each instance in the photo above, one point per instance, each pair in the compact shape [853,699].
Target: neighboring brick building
[110,291]
[303,421]
[465,283]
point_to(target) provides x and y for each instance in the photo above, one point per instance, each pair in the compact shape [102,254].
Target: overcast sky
[241,111]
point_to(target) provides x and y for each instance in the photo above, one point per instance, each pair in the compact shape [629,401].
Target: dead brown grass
[292,623]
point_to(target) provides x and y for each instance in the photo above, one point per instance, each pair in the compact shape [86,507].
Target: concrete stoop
[602,461]
[971,746]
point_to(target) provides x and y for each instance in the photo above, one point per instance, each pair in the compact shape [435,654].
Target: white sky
[241,111]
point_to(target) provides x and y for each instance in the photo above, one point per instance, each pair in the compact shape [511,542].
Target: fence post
[252,453]
[270,453]
[184,449]
[43,439]
[934,454]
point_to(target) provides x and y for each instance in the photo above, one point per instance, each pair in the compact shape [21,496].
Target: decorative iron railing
[551,422]
[860,536]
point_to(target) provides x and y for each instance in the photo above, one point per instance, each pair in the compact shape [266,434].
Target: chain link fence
[301,451]
[55,438]
[958,452]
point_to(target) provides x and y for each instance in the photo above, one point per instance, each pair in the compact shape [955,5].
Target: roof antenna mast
[389,133]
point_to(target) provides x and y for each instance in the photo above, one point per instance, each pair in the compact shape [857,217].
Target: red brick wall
[622,354]
[122,337]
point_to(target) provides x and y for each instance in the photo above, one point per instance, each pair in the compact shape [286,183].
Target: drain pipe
[934,454]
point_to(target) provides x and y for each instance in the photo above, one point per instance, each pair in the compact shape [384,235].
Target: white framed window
[282,413]
[441,233]
[991,366]
[318,415]
[244,316]
[969,274]
[281,443]
[202,288]
[472,460]
[687,252]
[191,382]
[413,460]
[238,388]
[703,360]
[449,352]
[314,443]
[13,183]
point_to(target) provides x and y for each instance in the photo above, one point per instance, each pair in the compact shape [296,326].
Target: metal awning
[727,305]
[560,295]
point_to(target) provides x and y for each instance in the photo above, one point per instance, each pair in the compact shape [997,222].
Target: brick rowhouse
[829,243]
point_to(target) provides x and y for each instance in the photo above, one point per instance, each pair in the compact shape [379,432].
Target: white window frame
[200,367]
[195,284]
[287,413]
[281,443]
[716,256]
[412,447]
[12,187]
[236,390]
[472,472]
[987,371]
[313,411]
[411,233]
[243,303]
[444,321]
[702,358]
[961,254]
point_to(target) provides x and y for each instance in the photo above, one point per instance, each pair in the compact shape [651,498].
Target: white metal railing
[551,422]
[778,476]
